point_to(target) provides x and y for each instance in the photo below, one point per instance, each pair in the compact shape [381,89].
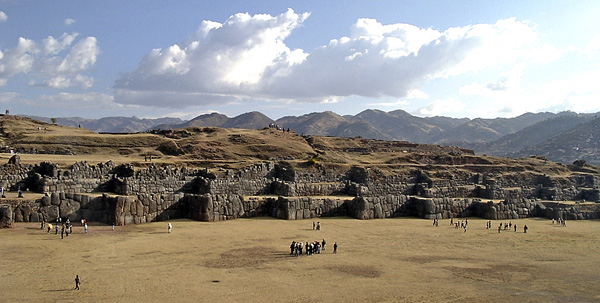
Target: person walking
[335,246]
[323,244]
[77,282]
[170,227]
[85,227]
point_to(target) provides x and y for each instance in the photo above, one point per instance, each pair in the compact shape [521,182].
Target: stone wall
[164,193]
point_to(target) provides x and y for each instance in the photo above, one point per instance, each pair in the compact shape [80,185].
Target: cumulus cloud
[53,62]
[246,58]
[3,17]
[69,21]
[53,46]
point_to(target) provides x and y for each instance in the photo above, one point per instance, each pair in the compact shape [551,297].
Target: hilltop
[521,136]
[236,148]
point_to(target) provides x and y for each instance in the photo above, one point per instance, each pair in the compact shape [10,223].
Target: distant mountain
[212,119]
[251,120]
[330,124]
[400,125]
[534,134]
[111,124]
[487,130]
[580,143]
[520,136]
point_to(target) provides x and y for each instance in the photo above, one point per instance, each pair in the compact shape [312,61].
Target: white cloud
[246,58]
[19,59]
[3,17]
[53,46]
[222,62]
[441,107]
[62,81]
[69,21]
[3,82]
[55,63]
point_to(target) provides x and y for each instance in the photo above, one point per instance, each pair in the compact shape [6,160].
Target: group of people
[310,248]
[19,192]
[317,226]
[488,225]
[277,127]
[560,221]
[462,224]
[66,228]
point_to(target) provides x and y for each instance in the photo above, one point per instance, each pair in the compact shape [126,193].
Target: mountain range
[563,137]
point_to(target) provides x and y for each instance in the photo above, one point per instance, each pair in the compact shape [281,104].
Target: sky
[153,59]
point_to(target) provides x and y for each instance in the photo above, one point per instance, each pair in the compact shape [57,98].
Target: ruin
[118,193]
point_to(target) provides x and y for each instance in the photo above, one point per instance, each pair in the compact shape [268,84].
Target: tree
[53,120]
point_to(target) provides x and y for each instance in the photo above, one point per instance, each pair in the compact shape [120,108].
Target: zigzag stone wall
[120,194]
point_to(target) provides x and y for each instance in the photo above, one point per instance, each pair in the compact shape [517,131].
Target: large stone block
[55,198]
[67,207]
[6,220]
[45,201]
[50,212]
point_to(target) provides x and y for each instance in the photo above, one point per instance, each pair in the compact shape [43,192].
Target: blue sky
[185,58]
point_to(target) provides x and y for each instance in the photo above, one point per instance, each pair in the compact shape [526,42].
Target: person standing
[56,229]
[335,246]
[62,232]
[113,226]
[323,244]
[85,227]
[525,228]
[170,227]
[77,282]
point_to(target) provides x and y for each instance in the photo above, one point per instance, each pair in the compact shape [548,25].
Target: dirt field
[247,260]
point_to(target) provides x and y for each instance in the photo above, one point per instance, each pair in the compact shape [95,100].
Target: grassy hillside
[234,148]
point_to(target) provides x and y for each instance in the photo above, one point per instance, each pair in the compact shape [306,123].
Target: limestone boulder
[55,199]
[68,207]
[45,201]
[49,212]
[5,216]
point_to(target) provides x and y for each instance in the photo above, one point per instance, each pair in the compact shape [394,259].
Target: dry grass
[236,148]
[246,260]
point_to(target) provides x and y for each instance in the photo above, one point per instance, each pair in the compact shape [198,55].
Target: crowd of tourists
[309,248]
